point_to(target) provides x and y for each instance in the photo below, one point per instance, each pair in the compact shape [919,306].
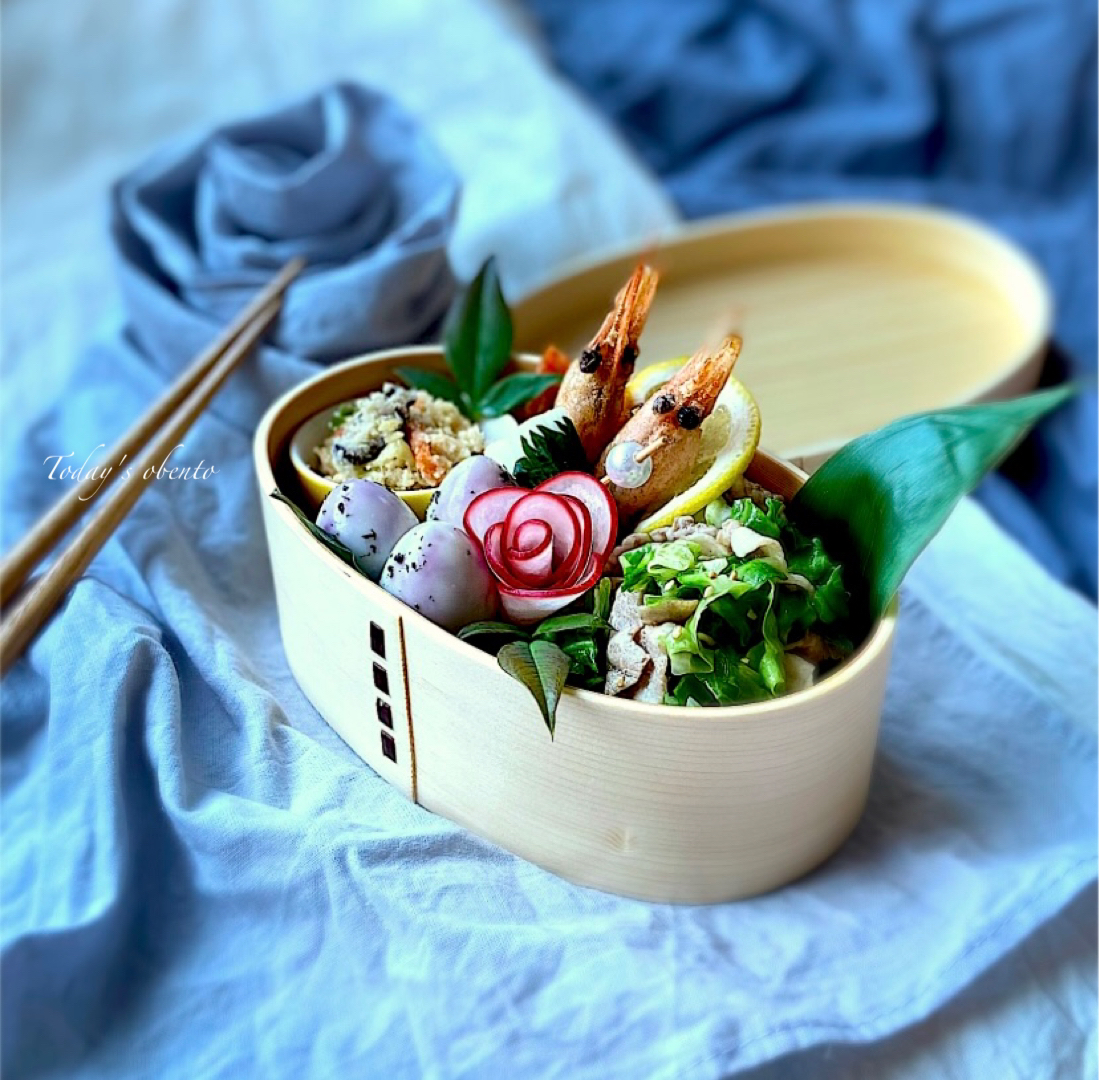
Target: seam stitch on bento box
[1069,875]
[408,709]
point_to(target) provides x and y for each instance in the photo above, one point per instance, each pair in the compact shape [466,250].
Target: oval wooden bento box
[655,802]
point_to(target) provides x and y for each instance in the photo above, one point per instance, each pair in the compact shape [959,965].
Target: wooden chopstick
[21,625]
[44,535]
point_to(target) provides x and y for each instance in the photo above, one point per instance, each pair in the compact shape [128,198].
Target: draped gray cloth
[345,179]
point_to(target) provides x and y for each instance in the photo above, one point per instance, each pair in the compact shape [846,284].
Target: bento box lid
[851,314]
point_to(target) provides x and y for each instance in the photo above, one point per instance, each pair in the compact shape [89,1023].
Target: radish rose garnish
[545,547]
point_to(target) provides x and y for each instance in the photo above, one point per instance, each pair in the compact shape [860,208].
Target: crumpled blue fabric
[201,880]
[345,179]
[984,106]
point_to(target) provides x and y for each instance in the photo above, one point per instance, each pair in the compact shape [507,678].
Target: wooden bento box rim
[265,454]
[690,235]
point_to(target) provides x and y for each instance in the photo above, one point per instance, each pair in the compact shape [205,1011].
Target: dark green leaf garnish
[438,385]
[493,628]
[879,500]
[542,668]
[477,347]
[512,391]
[559,624]
[548,451]
[580,632]
[329,542]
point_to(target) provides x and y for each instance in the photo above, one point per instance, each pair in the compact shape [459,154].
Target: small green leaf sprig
[561,648]
[477,346]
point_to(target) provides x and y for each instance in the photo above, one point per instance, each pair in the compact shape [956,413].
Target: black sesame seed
[663,403]
[590,361]
[689,417]
[399,557]
[342,509]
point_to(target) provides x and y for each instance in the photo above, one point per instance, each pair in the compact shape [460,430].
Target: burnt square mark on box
[381,679]
[385,713]
[377,639]
[389,747]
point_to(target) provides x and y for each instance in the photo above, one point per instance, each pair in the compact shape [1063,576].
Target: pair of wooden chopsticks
[152,437]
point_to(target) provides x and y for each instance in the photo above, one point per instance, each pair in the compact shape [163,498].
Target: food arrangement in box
[464,541]
[606,537]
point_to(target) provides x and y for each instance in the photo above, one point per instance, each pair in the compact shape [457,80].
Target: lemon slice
[646,381]
[730,435]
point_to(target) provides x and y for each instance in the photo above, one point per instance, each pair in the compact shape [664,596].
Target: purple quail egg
[438,571]
[468,479]
[366,518]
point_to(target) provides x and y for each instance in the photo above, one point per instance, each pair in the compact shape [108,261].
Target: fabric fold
[345,179]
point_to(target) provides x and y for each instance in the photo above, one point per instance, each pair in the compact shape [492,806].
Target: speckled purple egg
[438,571]
[468,479]
[366,518]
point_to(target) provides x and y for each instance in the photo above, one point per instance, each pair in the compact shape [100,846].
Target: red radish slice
[546,547]
[494,556]
[490,507]
[532,564]
[525,606]
[598,500]
[532,536]
[578,556]
[555,512]
[532,573]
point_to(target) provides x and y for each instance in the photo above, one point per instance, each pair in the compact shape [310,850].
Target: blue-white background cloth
[984,106]
[201,880]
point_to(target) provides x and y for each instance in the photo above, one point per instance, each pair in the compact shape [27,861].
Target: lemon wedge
[649,379]
[730,435]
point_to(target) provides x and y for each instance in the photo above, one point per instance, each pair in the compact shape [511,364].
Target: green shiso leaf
[879,500]
[548,451]
[542,668]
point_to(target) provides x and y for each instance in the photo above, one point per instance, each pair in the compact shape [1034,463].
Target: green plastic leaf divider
[879,500]
[542,668]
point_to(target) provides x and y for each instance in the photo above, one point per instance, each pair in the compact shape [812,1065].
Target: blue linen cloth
[202,881]
[345,179]
[984,106]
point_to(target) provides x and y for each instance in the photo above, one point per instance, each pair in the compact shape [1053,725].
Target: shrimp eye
[590,360]
[689,417]
[629,355]
[663,403]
